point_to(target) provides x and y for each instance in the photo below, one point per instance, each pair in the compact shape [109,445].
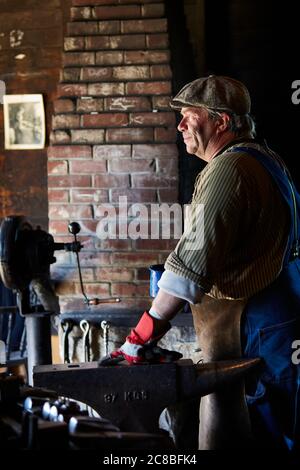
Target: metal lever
[74,228]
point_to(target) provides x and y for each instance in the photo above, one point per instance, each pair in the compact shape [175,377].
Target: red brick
[74,44]
[153,119]
[153,245]
[95,258]
[109,27]
[132,166]
[148,88]
[113,97]
[160,71]
[65,121]
[63,106]
[153,10]
[58,195]
[70,151]
[95,289]
[78,58]
[84,136]
[69,181]
[72,90]
[162,134]
[168,195]
[139,1]
[134,259]
[70,75]
[153,181]
[129,135]
[57,167]
[129,290]
[88,167]
[157,41]
[84,13]
[112,151]
[144,26]
[114,274]
[97,42]
[61,273]
[130,103]
[82,28]
[105,120]
[133,72]
[114,245]
[111,181]
[69,211]
[134,195]
[89,105]
[60,137]
[109,58]
[161,102]
[154,150]
[146,57]
[132,41]
[89,196]
[95,74]
[120,11]
[94,2]
[106,89]
[110,2]
[166,166]
[58,226]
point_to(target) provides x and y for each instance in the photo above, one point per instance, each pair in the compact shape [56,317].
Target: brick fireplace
[113,135]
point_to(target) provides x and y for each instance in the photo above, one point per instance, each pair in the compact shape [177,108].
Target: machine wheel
[13,267]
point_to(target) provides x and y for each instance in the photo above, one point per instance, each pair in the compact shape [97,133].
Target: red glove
[141,347]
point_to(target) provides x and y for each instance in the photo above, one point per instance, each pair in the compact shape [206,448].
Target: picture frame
[24,122]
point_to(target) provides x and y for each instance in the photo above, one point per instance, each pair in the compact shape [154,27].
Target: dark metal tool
[133,397]
[67,327]
[85,328]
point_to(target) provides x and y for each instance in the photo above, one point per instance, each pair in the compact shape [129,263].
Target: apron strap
[288,192]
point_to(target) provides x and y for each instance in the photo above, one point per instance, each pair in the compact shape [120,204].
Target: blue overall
[270,325]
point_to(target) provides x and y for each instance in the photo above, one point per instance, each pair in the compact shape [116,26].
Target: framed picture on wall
[24,122]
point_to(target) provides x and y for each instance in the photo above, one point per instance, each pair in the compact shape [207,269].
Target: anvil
[133,396]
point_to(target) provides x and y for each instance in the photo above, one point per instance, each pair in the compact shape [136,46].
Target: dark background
[255,41]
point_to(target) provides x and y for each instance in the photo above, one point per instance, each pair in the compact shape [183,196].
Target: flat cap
[214,92]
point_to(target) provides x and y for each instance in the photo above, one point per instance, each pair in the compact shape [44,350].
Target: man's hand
[141,347]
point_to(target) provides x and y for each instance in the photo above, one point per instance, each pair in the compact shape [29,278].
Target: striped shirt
[246,227]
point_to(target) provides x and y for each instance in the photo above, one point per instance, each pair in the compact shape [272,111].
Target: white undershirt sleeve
[180,287]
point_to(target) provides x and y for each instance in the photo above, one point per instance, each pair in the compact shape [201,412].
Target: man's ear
[223,122]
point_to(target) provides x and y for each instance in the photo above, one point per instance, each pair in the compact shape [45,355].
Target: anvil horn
[212,376]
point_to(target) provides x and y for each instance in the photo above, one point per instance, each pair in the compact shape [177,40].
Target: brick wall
[113,135]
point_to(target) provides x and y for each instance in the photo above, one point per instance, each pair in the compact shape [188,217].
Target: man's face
[197,130]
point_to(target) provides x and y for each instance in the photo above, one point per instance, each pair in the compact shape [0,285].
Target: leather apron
[266,326]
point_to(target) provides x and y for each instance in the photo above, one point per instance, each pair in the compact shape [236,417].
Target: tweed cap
[214,92]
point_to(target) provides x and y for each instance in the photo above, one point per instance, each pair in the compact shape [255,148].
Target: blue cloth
[270,324]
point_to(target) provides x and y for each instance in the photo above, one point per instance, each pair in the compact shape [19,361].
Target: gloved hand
[141,347]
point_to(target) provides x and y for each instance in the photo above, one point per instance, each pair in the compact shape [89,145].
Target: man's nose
[182,125]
